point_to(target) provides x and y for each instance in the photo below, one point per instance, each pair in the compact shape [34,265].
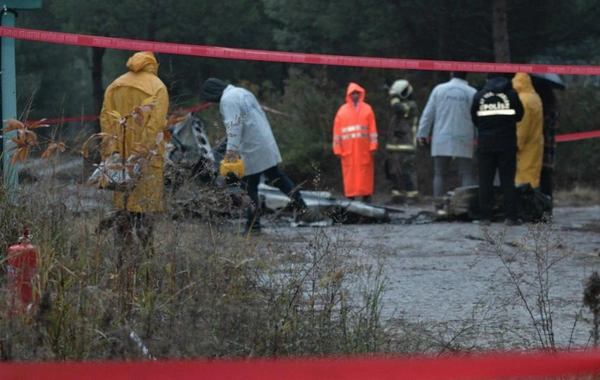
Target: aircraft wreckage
[193,183]
[193,156]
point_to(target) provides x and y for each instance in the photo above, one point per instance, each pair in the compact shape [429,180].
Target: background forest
[59,80]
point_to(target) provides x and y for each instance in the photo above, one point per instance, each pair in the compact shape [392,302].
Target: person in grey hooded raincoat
[250,137]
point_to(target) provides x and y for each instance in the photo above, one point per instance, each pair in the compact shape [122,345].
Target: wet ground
[454,277]
[459,280]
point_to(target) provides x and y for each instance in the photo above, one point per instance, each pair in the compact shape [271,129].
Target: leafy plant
[305,135]
[26,138]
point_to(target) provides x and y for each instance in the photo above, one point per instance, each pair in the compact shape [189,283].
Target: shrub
[305,135]
[577,162]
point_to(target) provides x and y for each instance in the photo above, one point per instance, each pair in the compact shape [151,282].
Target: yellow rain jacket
[123,95]
[530,138]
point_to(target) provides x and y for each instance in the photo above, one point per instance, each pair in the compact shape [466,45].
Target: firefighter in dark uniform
[401,142]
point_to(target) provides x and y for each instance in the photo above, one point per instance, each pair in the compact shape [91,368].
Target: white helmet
[401,88]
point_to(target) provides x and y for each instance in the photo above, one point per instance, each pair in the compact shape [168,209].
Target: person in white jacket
[250,137]
[448,113]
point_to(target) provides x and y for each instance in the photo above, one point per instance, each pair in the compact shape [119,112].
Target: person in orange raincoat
[530,138]
[355,142]
[128,91]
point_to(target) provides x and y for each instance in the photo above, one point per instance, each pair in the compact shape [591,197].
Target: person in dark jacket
[550,110]
[495,111]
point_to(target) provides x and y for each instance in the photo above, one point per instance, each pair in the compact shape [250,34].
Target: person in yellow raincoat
[530,138]
[355,142]
[125,93]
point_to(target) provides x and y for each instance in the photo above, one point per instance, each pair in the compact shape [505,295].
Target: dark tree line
[55,80]
[498,30]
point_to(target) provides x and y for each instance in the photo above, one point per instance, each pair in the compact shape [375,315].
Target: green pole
[9,99]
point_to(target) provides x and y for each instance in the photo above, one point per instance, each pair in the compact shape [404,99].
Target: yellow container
[236,167]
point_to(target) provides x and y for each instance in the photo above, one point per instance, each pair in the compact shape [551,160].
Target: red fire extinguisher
[22,269]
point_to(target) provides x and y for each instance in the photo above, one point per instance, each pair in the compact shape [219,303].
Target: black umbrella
[553,80]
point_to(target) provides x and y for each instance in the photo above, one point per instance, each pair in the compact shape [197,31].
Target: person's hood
[212,90]
[355,87]
[522,83]
[498,84]
[143,61]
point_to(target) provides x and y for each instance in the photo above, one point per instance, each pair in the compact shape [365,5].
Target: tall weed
[529,265]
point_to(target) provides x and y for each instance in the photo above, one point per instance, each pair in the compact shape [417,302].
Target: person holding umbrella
[544,85]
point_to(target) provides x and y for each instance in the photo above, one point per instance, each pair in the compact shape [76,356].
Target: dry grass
[577,196]
[529,264]
[201,292]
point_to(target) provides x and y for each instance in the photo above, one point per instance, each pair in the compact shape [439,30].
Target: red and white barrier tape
[178,111]
[274,56]
[272,110]
[578,136]
[66,119]
[289,57]
[559,138]
[498,366]
[198,107]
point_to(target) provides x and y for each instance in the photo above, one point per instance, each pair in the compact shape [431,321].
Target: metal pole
[9,99]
